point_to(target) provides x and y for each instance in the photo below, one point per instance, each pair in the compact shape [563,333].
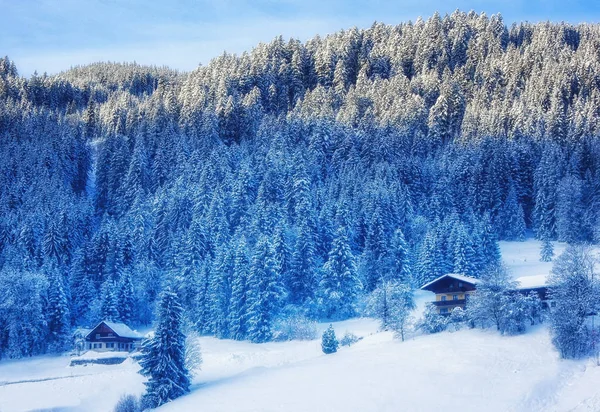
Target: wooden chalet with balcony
[451,291]
[112,336]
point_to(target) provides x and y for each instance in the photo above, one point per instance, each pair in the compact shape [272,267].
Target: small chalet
[112,336]
[451,291]
[537,284]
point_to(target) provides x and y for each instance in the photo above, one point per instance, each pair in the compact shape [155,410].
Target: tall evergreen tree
[264,292]
[58,315]
[340,286]
[163,355]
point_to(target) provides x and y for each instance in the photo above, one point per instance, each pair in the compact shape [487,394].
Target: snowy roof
[532,282]
[120,329]
[457,276]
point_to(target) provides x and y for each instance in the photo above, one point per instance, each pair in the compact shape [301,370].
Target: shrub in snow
[457,319]
[496,303]
[574,291]
[535,310]
[193,354]
[329,342]
[349,339]
[127,403]
[163,356]
[294,325]
[392,302]
[432,321]
[513,313]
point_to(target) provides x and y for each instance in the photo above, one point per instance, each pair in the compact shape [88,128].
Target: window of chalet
[443,297]
[454,297]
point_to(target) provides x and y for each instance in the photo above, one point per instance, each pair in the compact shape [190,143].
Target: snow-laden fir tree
[329,342]
[238,306]
[126,298]
[574,289]
[57,313]
[547,251]
[109,302]
[163,358]
[219,292]
[512,218]
[340,286]
[264,292]
[400,266]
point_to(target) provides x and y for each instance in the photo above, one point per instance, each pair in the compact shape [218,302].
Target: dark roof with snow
[120,329]
[457,276]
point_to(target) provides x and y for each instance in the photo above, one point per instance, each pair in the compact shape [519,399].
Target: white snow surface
[523,258]
[529,282]
[467,370]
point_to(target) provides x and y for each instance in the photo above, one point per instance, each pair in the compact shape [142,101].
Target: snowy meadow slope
[469,370]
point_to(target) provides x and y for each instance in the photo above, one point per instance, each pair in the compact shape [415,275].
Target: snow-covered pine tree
[126,298]
[547,251]
[219,291]
[301,279]
[512,218]
[329,343]
[340,286]
[264,292]
[464,254]
[57,312]
[109,302]
[401,264]
[163,356]
[239,289]
[574,291]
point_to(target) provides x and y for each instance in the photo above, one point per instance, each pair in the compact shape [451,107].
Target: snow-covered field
[468,370]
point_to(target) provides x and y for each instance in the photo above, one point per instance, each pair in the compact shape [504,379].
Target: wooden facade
[111,336]
[451,291]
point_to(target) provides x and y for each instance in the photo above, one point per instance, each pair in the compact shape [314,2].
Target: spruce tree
[126,302]
[109,302]
[340,286]
[400,265]
[239,290]
[329,343]
[264,292]
[547,251]
[163,356]
[58,315]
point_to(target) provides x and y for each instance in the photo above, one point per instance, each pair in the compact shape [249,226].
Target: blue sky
[53,35]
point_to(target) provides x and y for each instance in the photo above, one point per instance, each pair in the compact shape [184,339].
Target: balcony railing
[450,302]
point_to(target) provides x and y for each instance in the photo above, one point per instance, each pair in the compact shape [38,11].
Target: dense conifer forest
[293,179]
